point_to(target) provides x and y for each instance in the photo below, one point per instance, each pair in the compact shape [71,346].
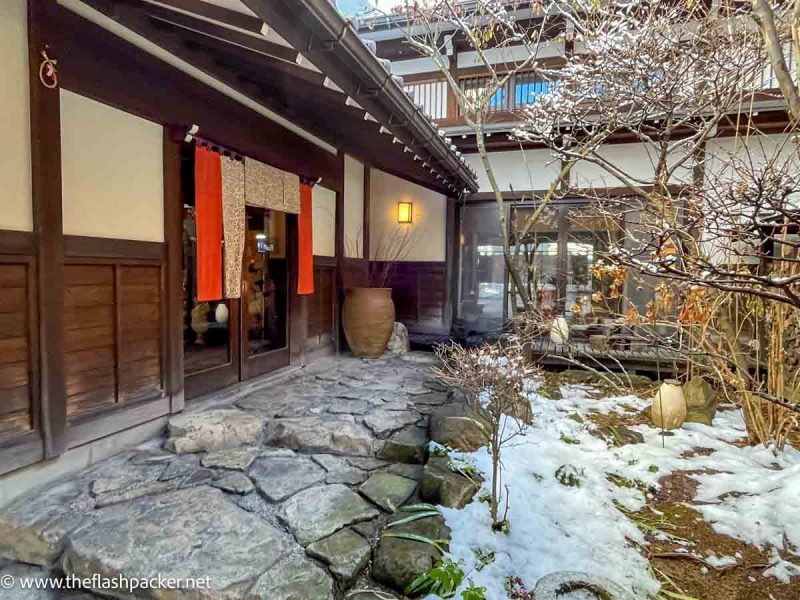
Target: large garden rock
[34,528]
[387,490]
[319,511]
[328,434]
[234,483]
[293,578]
[398,561]
[619,435]
[701,401]
[398,343]
[408,445]
[345,552]
[238,459]
[572,584]
[440,485]
[460,427]
[279,477]
[384,422]
[339,470]
[213,430]
[184,534]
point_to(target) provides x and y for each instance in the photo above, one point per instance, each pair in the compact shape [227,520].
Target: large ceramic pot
[368,320]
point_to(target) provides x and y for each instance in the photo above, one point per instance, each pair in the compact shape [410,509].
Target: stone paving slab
[277,493]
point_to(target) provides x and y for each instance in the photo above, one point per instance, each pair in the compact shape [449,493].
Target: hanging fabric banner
[305,243]
[233,224]
[263,185]
[291,193]
[208,215]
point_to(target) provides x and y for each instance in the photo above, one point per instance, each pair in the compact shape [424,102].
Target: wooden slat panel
[88,275]
[88,317]
[135,351]
[140,293]
[15,300]
[88,295]
[86,360]
[16,401]
[140,275]
[89,337]
[13,325]
[13,276]
[140,368]
[13,350]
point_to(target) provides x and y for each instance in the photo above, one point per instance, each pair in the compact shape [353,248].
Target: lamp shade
[404,212]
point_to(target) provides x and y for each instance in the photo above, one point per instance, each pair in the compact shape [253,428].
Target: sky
[355,7]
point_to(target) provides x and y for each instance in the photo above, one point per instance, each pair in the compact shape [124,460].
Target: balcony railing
[769,80]
[431,96]
[521,90]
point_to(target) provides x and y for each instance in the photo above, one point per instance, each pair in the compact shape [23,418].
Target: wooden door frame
[265,362]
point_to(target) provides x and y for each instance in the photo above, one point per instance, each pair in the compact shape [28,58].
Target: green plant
[473,592]
[418,511]
[653,468]
[569,440]
[482,557]
[442,580]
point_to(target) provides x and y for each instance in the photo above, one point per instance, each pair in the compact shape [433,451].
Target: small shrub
[442,580]
[482,558]
[473,592]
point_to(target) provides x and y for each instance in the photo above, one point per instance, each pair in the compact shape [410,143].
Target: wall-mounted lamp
[404,213]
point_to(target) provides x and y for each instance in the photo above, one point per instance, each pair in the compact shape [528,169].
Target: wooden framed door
[264,331]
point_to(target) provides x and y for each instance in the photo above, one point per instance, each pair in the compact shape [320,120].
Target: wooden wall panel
[140,320]
[419,291]
[321,305]
[89,324]
[17,410]
[113,331]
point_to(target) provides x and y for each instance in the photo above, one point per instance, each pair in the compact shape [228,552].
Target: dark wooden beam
[338,244]
[217,13]
[172,305]
[45,111]
[100,65]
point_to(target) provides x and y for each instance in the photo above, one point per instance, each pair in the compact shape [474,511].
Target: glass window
[482,270]
[265,280]
[206,334]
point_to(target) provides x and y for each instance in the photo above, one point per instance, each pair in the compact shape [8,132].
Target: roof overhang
[277,70]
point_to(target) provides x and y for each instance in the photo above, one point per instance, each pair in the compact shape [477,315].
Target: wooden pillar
[452,101]
[365,224]
[45,111]
[451,264]
[173,303]
[339,251]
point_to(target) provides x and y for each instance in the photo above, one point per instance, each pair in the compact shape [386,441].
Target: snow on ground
[556,528]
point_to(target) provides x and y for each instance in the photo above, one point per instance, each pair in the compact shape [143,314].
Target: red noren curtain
[208,215]
[305,244]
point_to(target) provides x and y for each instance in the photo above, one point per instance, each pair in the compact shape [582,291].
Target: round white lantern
[559,331]
[669,405]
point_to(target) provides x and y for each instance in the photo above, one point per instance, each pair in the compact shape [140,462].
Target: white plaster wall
[353,208]
[323,215]
[112,172]
[733,159]
[636,160]
[15,160]
[512,55]
[429,221]
[517,170]
[413,66]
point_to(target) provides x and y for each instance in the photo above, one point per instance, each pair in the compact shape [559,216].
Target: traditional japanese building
[189,185]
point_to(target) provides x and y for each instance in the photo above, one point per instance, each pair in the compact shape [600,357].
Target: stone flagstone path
[280,493]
